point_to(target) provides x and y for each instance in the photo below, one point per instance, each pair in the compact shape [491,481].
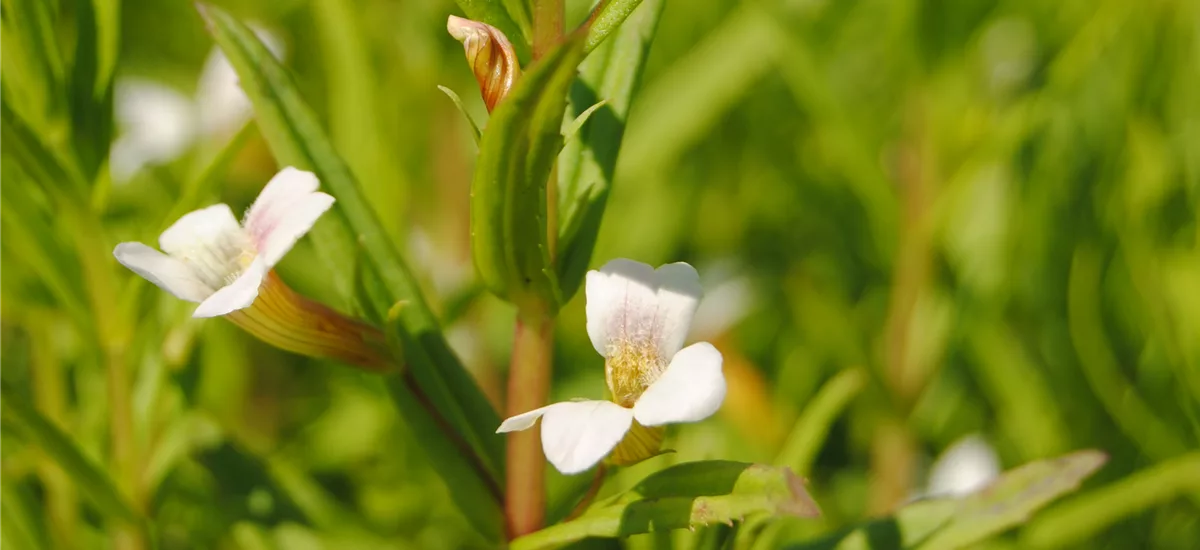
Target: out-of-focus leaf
[1091,512]
[494,13]
[31,239]
[1136,418]
[296,138]
[588,163]
[508,192]
[814,423]
[612,13]
[44,165]
[685,496]
[959,522]
[475,133]
[1014,498]
[33,66]
[21,529]
[355,126]
[87,475]
[91,90]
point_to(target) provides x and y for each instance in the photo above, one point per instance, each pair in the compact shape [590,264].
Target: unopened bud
[491,57]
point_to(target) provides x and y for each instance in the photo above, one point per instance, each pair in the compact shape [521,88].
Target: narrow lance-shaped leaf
[945,523]
[687,495]
[87,475]
[607,18]
[295,136]
[508,192]
[588,162]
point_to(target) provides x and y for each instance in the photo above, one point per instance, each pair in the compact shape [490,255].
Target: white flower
[212,260]
[965,467]
[637,318]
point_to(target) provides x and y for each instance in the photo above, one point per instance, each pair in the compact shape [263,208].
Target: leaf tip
[801,504]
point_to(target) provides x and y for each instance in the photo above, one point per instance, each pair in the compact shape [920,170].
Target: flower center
[629,368]
[220,261]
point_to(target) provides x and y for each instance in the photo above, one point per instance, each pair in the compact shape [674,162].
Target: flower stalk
[528,388]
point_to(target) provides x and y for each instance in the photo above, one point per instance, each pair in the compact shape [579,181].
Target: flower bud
[491,57]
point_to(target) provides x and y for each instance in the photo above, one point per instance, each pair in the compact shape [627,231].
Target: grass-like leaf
[589,161]
[944,523]
[91,479]
[687,495]
[296,138]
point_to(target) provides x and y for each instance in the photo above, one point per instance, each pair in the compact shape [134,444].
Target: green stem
[528,387]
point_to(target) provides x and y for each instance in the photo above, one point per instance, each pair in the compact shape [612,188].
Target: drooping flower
[209,258]
[637,318]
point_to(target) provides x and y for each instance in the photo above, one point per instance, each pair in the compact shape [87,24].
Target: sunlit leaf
[588,163]
[684,496]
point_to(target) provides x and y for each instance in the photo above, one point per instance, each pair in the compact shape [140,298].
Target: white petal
[285,210]
[212,228]
[691,389]
[628,301]
[522,421]
[578,434]
[967,466]
[238,295]
[164,271]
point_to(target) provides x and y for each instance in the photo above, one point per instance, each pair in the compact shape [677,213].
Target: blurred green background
[980,217]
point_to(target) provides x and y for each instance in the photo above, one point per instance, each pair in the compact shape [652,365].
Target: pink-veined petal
[164,271]
[237,295]
[630,302]
[285,210]
[691,389]
[276,242]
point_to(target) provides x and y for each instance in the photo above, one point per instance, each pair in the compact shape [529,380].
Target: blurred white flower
[965,467]
[212,260]
[157,125]
[637,318]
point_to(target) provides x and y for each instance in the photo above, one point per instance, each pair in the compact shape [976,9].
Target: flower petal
[691,389]
[285,210]
[576,435]
[628,301]
[237,295]
[164,271]
[211,228]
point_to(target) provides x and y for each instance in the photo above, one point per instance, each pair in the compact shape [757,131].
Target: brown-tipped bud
[491,57]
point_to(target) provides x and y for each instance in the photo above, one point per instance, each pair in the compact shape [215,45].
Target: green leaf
[21,528]
[587,164]
[958,522]
[91,91]
[608,20]
[33,66]
[814,423]
[687,495]
[91,479]
[508,192]
[494,13]
[1090,513]
[475,133]
[297,139]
